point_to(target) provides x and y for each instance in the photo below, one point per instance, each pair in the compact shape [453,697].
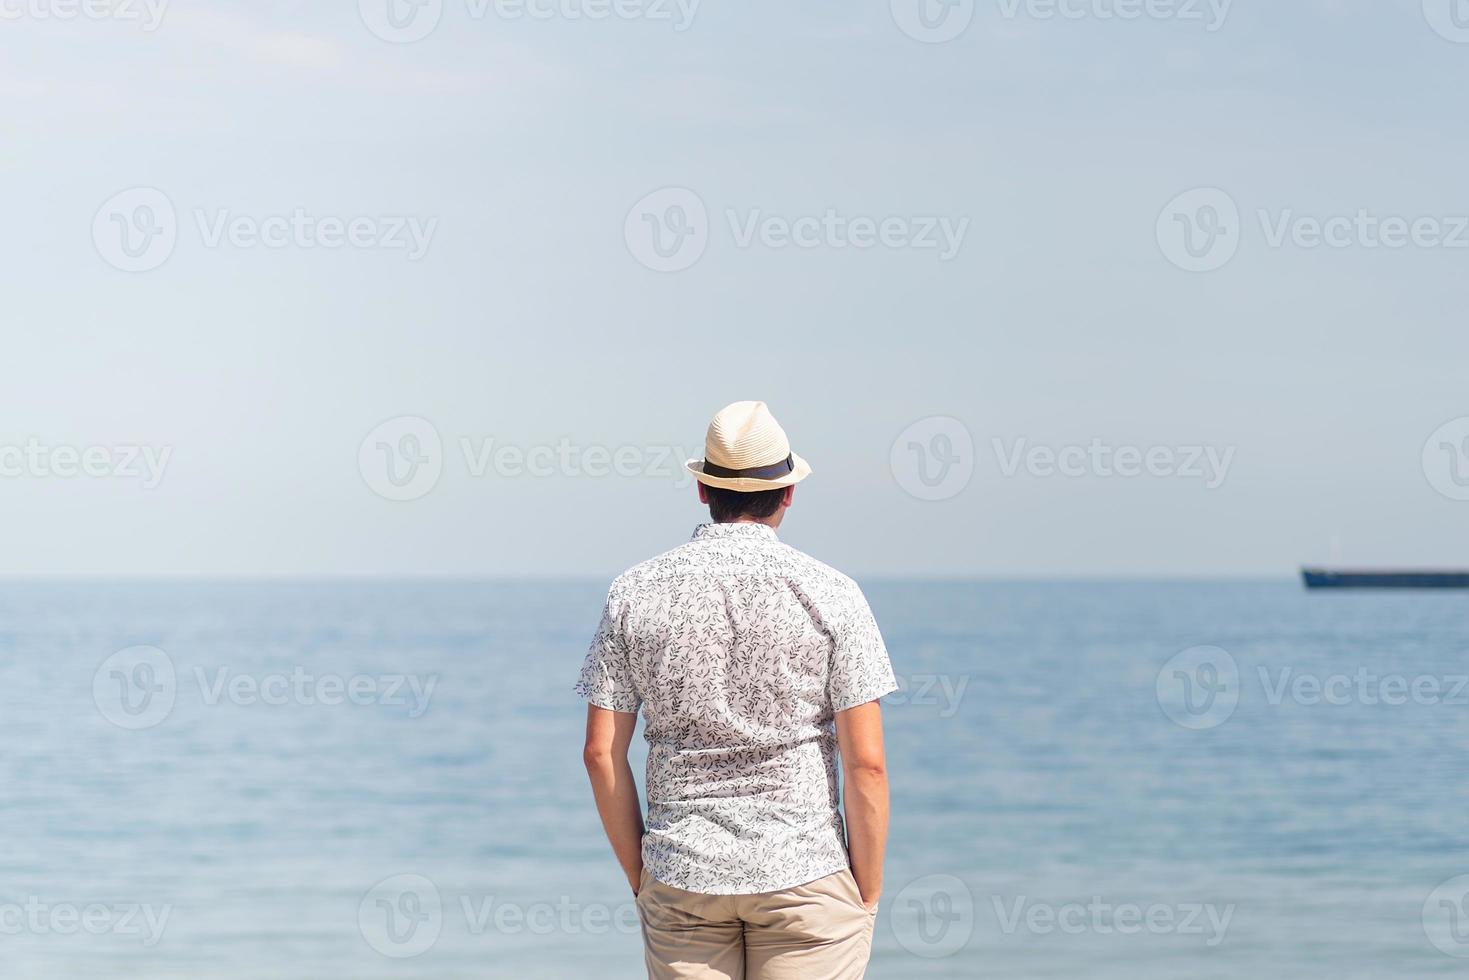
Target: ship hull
[1325,578]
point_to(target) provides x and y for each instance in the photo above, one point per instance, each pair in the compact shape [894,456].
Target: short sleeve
[606,675]
[860,669]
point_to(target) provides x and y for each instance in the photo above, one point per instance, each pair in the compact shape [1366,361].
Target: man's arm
[609,733]
[865,794]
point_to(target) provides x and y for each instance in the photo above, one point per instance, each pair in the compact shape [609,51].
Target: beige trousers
[816,931]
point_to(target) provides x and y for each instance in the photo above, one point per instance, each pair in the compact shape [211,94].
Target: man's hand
[865,779]
[609,733]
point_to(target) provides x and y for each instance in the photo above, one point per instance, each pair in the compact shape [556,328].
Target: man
[752,664]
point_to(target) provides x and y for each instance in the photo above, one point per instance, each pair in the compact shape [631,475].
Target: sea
[383,779]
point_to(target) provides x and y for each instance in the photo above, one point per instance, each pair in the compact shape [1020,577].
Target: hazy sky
[940,261]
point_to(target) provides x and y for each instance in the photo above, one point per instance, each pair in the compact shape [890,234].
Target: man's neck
[744,519]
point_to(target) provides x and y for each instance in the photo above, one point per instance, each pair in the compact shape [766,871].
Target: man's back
[739,650]
[751,663]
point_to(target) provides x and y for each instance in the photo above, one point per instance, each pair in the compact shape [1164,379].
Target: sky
[1079,288]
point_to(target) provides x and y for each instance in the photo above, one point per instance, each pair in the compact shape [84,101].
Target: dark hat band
[780,469]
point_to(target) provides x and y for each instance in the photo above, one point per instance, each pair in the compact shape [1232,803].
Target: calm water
[1050,818]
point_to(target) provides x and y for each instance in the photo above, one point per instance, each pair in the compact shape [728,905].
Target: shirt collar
[742,530]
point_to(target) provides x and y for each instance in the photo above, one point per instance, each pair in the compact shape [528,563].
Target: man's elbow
[866,770]
[597,757]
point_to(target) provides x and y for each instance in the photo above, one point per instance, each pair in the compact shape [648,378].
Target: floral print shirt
[739,650]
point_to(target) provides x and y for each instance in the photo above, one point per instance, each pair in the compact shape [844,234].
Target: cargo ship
[1333,578]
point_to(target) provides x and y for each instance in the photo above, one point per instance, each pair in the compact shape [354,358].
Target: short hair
[727,505]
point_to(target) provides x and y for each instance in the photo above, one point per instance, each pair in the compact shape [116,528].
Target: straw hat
[745,449]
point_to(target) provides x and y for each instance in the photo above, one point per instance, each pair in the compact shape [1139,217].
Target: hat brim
[800,469]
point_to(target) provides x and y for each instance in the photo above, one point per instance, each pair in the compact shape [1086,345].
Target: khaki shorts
[817,930]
